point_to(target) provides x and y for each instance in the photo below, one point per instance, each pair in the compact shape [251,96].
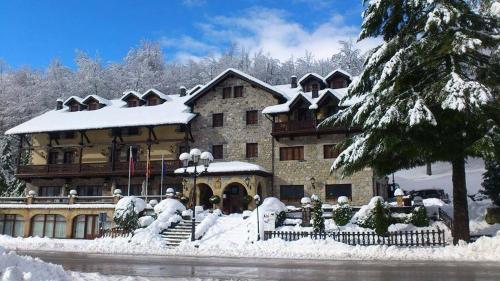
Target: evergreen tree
[419,217]
[9,185]
[127,219]
[428,93]
[317,214]
[491,181]
[380,219]
[342,214]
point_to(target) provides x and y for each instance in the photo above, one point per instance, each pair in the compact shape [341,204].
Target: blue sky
[32,33]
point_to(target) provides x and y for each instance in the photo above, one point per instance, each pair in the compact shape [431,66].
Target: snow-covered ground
[18,268]
[417,179]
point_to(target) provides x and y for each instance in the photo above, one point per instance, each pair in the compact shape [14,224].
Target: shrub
[215,199]
[317,214]
[380,219]
[419,217]
[280,219]
[342,214]
[127,219]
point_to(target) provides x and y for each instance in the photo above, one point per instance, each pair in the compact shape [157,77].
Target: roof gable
[313,76]
[128,94]
[154,92]
[73,99]
[231,72]
[338,72]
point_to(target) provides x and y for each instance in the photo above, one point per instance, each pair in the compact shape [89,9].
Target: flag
[131,164]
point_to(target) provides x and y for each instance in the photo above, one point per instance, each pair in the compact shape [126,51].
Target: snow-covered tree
[426,93]
[491,181]
[318,221]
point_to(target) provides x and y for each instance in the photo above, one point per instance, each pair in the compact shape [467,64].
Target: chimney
[59,104]
[182,91]
[293,81]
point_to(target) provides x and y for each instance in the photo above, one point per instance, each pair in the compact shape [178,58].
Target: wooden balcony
[94,169]
[303,127]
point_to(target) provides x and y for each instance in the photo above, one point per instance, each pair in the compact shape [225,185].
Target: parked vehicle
[431,193]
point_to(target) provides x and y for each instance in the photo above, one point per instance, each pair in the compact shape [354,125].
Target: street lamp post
[256,198]
[196,157]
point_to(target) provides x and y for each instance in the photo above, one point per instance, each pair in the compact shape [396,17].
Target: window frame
[329,196]
[293,196]
[251,117]
[252,150]
[292,153]
[218,151]
[226,93]
[237,92]
[217,120]
[330,151]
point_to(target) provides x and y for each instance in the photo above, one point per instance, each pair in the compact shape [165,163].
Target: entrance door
[205,194]
[233,199]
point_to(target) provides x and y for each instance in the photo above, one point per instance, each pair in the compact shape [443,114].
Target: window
[52,226]
[330,151]
[218,120]
[226,92]
[89,190]
[132,103]
[66,135]
[135,189]
[131,131]
[252,150]
[291,192]
[69,157]
[252,117]
[217,151]
[54,157]
[291,153]
[12,225]
[334,191]
[124,154]
[238,91]
[152,101]
[93,105]
[74,107]
[86,226]
[314,88]
[49,191]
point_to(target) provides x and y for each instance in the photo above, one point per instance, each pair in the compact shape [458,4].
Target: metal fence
[445,218]
[113,233]
[419,238]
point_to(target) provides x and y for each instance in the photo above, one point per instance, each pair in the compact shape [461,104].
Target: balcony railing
[305,127]
[94,169]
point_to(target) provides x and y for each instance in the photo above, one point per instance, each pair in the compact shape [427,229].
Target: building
[264,140]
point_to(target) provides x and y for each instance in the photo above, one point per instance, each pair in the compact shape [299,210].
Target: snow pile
[364,212]
[16,268]
[269,205]
[145,221]
[168,211]
[123,205]
[205,224]
[477,213]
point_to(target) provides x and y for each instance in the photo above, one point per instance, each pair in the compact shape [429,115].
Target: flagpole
[161,179]
[129,169]
[147,177]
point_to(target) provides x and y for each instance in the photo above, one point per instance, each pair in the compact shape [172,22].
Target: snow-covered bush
[127,212]
[318,221]
[205,224]
[169,205]
[269,205]
[280,219]
[342,213]
[418,217]
[145,221]
[375,215]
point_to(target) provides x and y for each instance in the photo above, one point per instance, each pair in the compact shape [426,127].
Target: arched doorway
[205,193]
[233,198]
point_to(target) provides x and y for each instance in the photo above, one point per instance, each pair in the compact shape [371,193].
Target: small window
[74,107]
[218,120]
[291,153]
[132,103]
[334,191]
[252,117]
[69,157]
[217,151]
[238,91]
[314,88]
[89,190]
[132,131]
[226,92]
[291,192]
[252,150]
[54,157]
[49,191]
[330,151]
[93,105]
[152,101]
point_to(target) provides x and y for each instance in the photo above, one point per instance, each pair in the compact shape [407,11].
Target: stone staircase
[174,235]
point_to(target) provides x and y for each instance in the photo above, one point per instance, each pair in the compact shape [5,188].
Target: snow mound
[269,205]
[205,224]
[169,210]
[145,221]
[122,205]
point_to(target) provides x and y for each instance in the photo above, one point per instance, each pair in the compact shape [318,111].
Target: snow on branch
[352,153]
[457,90]
[421,113]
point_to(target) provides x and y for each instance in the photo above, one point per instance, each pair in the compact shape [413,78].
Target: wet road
[161,267]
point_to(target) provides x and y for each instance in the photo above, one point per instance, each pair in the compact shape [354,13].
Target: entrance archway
[233,198]
[205,194]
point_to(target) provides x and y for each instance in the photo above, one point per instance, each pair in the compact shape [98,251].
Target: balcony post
[80,156]
[113,153]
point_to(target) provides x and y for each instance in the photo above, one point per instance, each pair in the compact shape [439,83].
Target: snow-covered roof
[75,98]
[296,93]
[194,89]
[115,115]
[338,70]
[242,75]
[315,75]
[156,92]
[99,99]
[126,94]
[226,167]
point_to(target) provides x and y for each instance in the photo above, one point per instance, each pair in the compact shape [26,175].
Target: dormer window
[152,100]
[93,106]
[132,103]
[314,90]
[74,107]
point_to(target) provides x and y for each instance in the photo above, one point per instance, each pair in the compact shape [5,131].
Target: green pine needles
[342,214]
[318,221]
[127,219]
